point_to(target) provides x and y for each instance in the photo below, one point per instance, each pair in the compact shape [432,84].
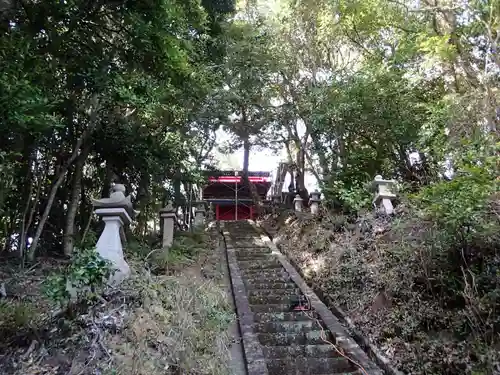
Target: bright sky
[259,161]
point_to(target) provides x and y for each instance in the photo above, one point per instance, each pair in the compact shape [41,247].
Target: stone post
[314,202]
[384,194]
[276,199]
[115,211]
[167,214]
[211,213]
[275,203]
[199,214]
[298,203]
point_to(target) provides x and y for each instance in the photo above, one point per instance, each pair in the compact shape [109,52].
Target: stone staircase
[291,342]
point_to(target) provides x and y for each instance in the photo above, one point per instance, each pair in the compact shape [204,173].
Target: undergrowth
[165,319]
[423,286]
[179,327]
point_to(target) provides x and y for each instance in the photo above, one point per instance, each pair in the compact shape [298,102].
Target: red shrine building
[232,200]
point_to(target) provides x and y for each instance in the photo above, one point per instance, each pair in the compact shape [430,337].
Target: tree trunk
[178,199]
[142,202]
[69,230]
[27,224]
[246,181]
[246,155]
[61,175]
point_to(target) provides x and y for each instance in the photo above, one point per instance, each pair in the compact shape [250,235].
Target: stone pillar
[199,214]
[275,203]
[210,212]
[298,203]
[115,211]
[314,202]
[167,214]
[384,194]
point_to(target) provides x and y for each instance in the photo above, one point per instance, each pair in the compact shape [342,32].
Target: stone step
[250,244]
[271,308]
[283,279]
[249,273]
[273,292]
[262,317]
[273,299]
[309,365]
[272,285]
[285,339]
[287,326]
[318,351]
[241,257]
[260,264]
[251,247]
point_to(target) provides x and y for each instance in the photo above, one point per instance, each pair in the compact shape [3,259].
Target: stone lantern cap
[298,198]
[168,210]
[315,196]
[385,188]
[116,205]
[200,206]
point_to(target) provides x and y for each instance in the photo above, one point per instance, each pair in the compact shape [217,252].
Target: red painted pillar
[216,212]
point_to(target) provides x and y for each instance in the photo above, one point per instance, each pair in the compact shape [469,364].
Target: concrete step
[318,351]
[262,317]
[285,339]
[272,285]
[309,365]
[287,326]
[253,250]
[260,264]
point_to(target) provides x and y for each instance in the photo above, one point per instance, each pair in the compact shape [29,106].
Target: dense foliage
[96,93]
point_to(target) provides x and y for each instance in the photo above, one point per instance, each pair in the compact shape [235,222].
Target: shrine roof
[218,173]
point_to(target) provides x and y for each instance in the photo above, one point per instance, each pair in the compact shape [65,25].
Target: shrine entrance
[231,199]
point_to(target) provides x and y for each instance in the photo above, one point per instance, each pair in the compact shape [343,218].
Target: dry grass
[152,324]
[179,327]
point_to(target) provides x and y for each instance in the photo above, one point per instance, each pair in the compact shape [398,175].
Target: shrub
[461,247]
[350,197]
[16,315]
[86,274]
[461,207]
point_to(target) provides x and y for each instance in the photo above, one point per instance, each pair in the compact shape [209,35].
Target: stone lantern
[315,201]
[298,203]
[199,214]
[167,214]
[115,211]
[384,194]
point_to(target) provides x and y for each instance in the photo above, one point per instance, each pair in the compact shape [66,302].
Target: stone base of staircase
[275,339]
